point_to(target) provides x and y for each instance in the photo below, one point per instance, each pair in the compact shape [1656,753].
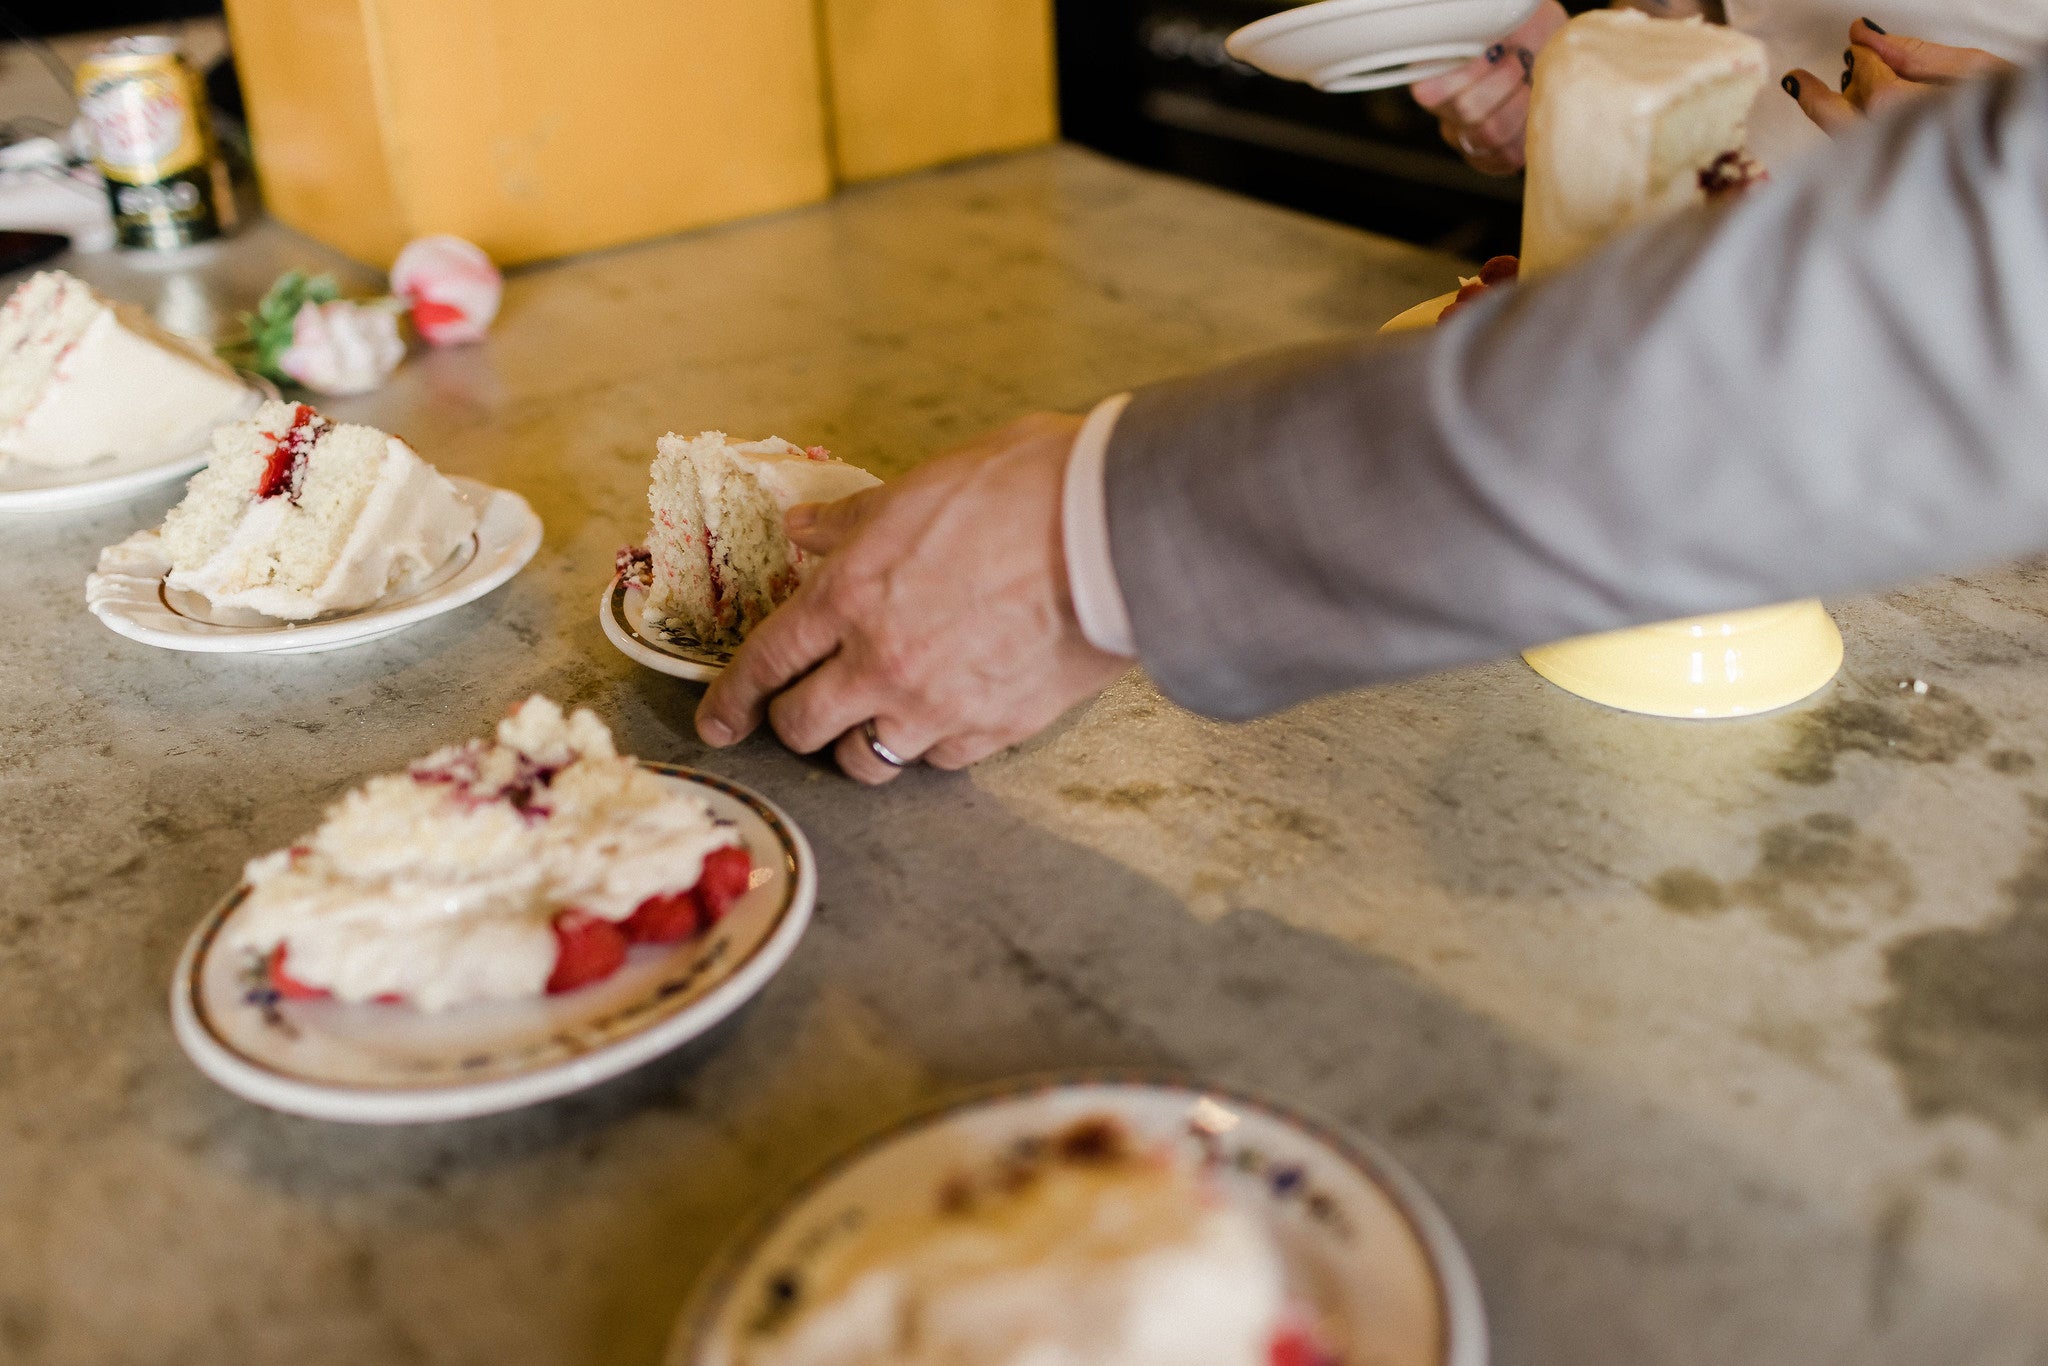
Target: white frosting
[1085,1268]
[411,523]
[418,888]
[1625,113]
[791,475]
[119,392]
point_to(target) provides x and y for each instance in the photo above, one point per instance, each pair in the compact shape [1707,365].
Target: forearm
[1836,385]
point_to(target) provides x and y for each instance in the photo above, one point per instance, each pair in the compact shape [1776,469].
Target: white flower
[342,347]
[452,286]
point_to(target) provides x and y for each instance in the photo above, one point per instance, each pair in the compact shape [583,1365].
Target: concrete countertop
[1720,1042]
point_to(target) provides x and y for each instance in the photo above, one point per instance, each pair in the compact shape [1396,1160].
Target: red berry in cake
[1293,1347]
[285,471]
[288,986]
[724,880]
[1501,270]
[669,918]
[588,949]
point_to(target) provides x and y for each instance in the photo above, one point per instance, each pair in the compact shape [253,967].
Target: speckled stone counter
[1719,1042]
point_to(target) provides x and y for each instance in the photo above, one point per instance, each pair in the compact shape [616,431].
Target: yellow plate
[1735,664]
[1422,315]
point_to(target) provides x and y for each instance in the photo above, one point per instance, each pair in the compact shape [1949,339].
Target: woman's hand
[1482,108]
[941,615]
[1882,69]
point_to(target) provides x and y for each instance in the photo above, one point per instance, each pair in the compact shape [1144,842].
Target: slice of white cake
[1080,1250]
[1626,114]
[297,515]
[492,870]
[721,562]
[82,379]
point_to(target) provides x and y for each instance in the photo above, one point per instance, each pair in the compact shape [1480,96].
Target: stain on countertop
[1821,880]
[1936,727]
[1966,1025]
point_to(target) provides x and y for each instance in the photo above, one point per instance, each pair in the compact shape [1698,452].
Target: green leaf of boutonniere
[267,332]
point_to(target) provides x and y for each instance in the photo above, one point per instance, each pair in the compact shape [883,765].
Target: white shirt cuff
[1084,530]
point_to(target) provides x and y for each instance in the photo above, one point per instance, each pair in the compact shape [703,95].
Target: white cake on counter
[1626,114]
[84,379]
[491,871]
[1087,1253]
[721,561]
[297,516]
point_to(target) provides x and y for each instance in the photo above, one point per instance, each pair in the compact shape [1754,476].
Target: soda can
[154,144]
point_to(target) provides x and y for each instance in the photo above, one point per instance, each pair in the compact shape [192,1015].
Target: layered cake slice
[83,379]
[1631,118]
[297,515]
[720,560]
[493,870]
[1077,1247]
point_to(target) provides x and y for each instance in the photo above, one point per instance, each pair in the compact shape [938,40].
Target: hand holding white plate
[1346,46]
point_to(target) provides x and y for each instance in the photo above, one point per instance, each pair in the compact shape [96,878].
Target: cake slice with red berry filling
[296,516]
[493,870]
[719,561]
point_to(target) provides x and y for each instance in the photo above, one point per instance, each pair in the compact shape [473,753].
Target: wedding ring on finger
[878,749]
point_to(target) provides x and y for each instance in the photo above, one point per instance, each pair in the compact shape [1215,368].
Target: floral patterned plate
[391,1064]
[1369,1257]
[669,652]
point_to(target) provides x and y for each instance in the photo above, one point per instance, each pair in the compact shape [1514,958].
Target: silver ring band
[878,749]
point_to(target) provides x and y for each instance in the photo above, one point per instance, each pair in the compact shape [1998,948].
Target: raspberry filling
[285,471]
[521,791]
[636,564]
[1731,174]
[1501,270]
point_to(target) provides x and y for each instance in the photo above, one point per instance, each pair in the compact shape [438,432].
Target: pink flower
[452,287]
[342,347]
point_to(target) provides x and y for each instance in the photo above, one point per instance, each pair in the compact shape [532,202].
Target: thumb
[822,528]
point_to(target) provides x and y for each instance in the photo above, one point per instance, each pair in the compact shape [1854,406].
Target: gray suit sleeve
[1837,384]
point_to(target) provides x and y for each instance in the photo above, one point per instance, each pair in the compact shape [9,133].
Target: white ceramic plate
[31,488]
[129,594]
[618,611]
[1367,1252]
[391,1064]
[1345,46]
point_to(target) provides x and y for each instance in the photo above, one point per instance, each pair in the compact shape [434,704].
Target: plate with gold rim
[1370,1264]
[130,592]
[675,653]
[37,488]
[391,1064]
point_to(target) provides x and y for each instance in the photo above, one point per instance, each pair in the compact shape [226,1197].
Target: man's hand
[941,613]
[1880,69]
[1482,107]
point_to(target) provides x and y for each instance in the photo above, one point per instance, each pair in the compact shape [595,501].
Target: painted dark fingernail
[1875,27]
[1791,84]
[1496,52]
